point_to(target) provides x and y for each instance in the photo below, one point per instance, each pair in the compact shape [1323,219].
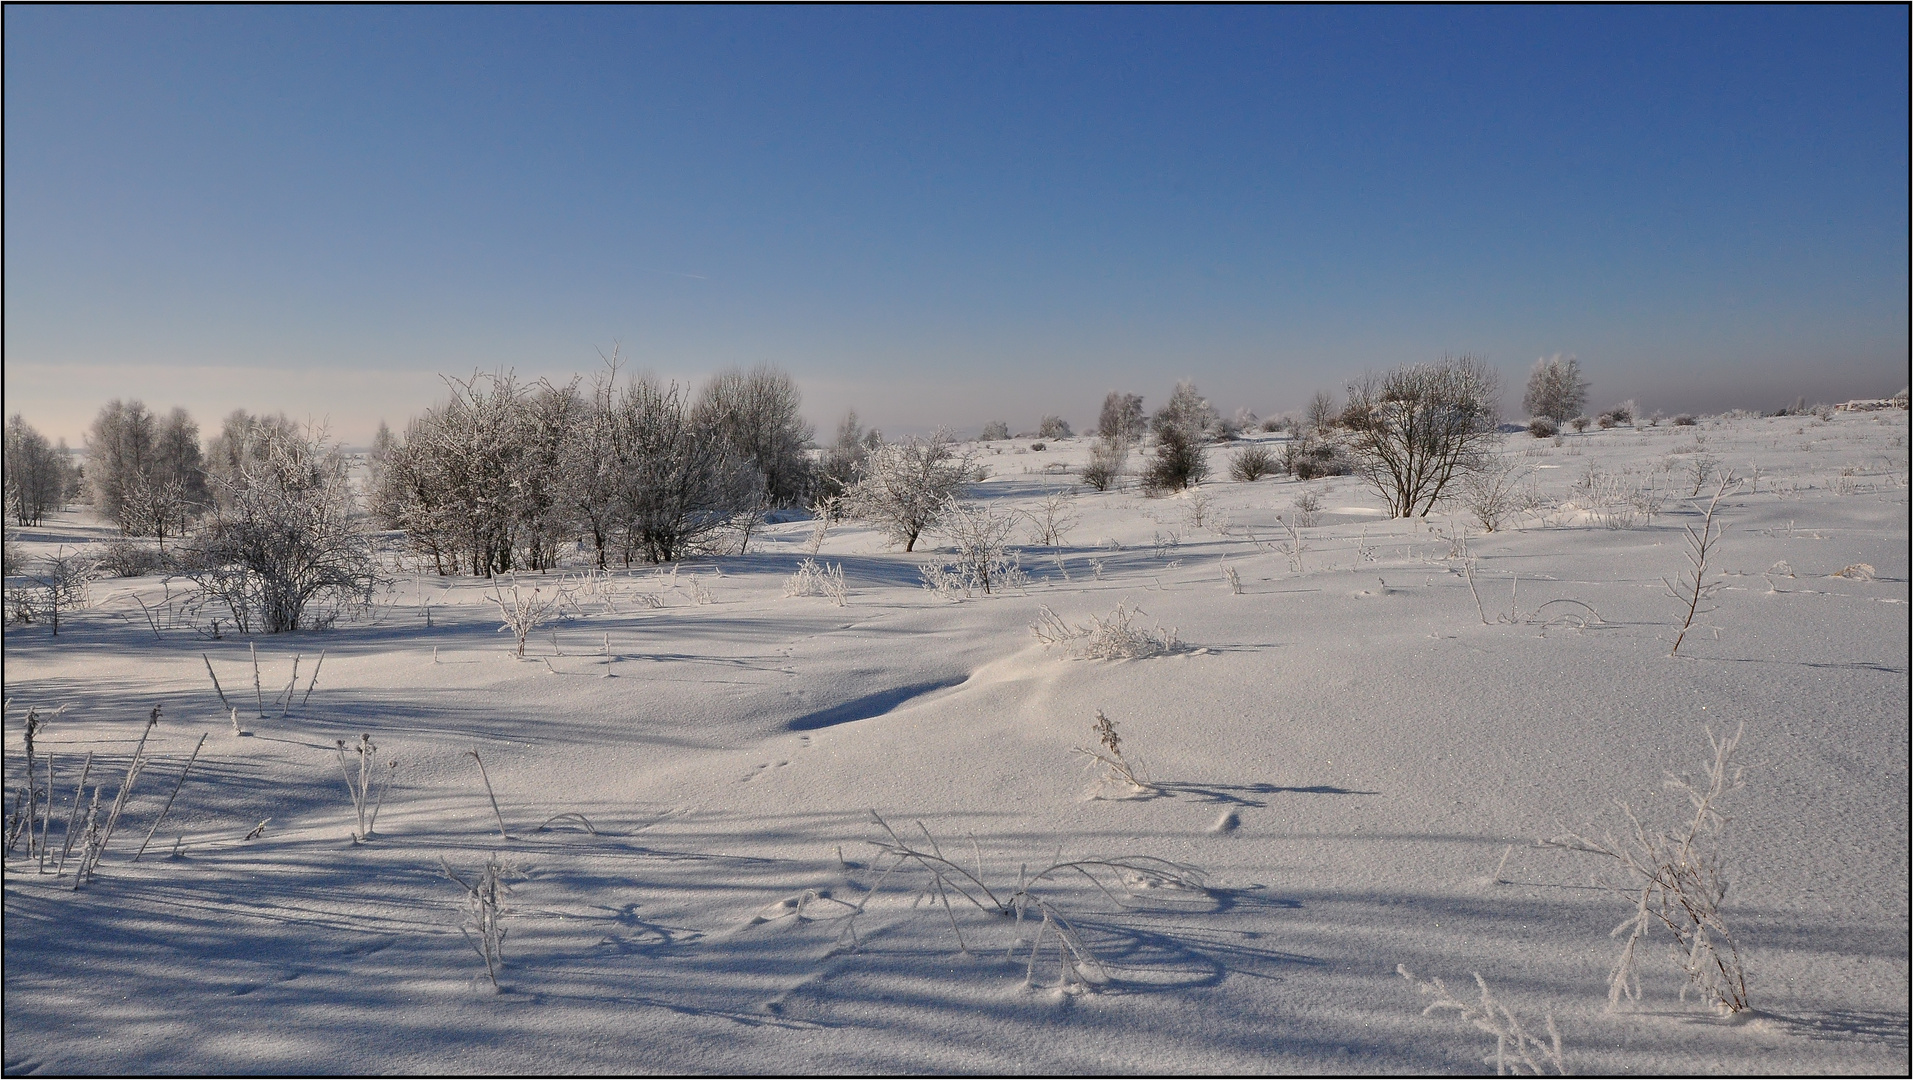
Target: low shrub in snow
[812,579]
[1252,463]
[1675,878]
[1118,637]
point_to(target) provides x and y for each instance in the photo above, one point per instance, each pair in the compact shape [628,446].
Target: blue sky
[948,215]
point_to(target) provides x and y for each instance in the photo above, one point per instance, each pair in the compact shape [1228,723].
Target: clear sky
[948,215]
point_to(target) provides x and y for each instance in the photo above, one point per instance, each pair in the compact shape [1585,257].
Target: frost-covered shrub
[1107,459]
[283,548]
[983,562]
[1556,389]
[1685,420]
[1252,463]
[814,579]
[1677,872]
[905,488]
[1491,493]
[1307,505]
[994,431]
[1118,637]
[1312,457]
[1543,427]
[129,558]
[1181,427]
[1053,426]
[1424,427]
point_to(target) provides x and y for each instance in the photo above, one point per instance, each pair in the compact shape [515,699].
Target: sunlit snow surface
[1378,744]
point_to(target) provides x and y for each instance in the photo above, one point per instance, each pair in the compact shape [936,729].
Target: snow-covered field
[1346,750]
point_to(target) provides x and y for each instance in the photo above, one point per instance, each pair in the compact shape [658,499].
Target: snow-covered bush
[57,583]
[122,557]
[1107,459]
[521,612]
[1054,516]
[1422,428]
[905,488]
[1053,426]
[983,562]
[1118,637]
[1182,428]
[1543,427]
[1491,493]
[994,431]
[814,579]
[1115,768]
[283,549]
[1252,463]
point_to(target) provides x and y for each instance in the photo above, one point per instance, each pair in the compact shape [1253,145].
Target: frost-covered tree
[40,477]
[283,549]
[148,475]
[756,414]
[1182,427]
[844,457]
[994,431]
[1421,427]
[242,440]
[904,488]
[679,482]
[1556,389]
[1053,426]
[1122,417]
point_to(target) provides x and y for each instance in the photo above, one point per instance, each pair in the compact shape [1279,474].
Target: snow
[1345,751]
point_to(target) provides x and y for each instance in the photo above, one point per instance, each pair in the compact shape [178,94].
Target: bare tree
[905,487]
[1420,427]
[1556,389]
[1322,414]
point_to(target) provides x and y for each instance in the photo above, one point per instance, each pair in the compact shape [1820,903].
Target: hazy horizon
[948,216]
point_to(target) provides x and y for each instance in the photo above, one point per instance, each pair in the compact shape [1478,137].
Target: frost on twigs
[983,562]
[1044,928]
[1517,1053]
[521,613]
[1675,880]
[1115,769]
[484,909]
[1118,637]
[1692,589]
[813,579]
